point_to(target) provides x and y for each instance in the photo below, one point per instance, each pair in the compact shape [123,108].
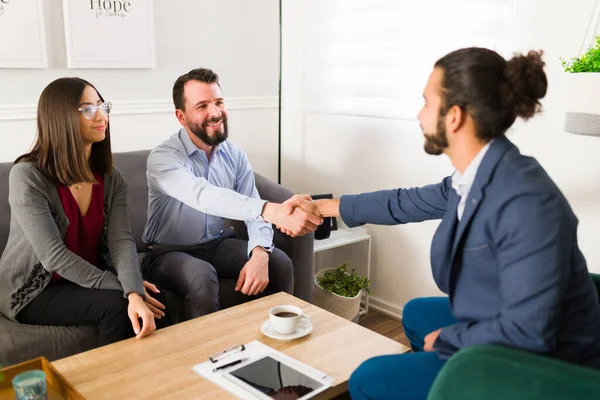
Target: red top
[83,232]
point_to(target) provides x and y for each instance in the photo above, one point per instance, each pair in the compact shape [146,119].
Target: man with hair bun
[505,252]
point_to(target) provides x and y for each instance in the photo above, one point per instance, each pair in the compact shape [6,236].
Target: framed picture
[23,32]
[109,33]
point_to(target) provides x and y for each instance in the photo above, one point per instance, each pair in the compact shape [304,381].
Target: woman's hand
[154,305]
[137,310]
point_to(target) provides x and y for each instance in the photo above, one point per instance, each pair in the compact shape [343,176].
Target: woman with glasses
[70,257]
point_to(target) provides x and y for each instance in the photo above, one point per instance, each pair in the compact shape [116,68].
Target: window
[373,57]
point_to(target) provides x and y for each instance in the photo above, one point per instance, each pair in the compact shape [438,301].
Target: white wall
[344,154]
[572,161]
[236,38]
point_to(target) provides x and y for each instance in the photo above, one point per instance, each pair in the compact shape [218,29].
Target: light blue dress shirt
[188,196]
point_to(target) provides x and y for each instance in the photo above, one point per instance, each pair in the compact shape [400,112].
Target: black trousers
[193,272]
[64,303]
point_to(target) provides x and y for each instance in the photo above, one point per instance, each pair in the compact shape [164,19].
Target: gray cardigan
[35,247]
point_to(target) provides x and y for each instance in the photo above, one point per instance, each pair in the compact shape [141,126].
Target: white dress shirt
[462,182]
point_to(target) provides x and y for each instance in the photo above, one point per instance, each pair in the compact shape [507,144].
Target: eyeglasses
[89,112]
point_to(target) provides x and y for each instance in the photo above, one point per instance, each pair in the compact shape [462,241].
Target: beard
[437,142]
[201,131]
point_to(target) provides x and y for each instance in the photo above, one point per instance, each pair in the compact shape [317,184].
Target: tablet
[271,376]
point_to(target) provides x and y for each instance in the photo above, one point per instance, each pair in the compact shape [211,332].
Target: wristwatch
[267,249]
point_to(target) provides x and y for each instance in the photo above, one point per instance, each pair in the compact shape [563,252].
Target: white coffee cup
[288,319]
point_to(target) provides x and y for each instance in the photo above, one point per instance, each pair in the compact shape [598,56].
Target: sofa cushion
[133,168]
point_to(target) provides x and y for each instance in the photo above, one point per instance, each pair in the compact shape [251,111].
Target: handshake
[300,215]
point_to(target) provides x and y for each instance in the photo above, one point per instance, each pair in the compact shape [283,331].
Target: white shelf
[341,237]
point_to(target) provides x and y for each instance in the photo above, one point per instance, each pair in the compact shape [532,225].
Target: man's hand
[322,207]
[137,309]
[302,201]
[299,222]
[154,305]
[254,277]
[430,340]
[328,207]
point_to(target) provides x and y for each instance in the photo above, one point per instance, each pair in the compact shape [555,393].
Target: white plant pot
[345,307]
[582,103]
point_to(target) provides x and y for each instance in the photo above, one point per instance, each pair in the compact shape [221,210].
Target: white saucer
[268,330]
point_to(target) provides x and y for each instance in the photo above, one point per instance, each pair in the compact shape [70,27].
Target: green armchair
[497,373]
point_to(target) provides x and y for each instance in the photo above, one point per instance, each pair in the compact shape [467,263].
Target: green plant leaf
[588,62]
[343,283]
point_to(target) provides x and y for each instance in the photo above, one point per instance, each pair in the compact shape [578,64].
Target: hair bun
[526,83]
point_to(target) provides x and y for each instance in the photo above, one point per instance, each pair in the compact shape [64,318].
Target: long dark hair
[58,149]
[492,90]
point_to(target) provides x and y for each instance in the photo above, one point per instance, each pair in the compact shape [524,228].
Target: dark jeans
[405,376]
[193,272]
[64,303]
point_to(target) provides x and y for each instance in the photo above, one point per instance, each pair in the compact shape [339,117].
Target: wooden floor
[384,325]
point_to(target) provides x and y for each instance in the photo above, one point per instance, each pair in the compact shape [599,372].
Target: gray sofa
[20,342]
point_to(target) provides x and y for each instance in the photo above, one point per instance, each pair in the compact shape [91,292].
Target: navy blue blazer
[511,266]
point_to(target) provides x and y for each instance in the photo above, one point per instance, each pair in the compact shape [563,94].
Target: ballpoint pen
[231,364]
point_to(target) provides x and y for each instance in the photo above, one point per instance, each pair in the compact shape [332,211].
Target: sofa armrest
[22,342]
[7,346]
[298,249]
[497,373]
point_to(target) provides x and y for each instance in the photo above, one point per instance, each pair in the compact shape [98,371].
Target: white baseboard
[385,307]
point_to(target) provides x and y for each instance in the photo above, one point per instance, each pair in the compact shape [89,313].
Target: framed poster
[22,28]
[109,33]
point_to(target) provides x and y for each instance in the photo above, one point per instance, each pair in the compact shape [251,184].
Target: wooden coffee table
[159,366]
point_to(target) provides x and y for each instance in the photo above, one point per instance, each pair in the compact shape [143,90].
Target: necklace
[77,187]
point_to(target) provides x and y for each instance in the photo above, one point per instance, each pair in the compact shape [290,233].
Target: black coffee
[286,314]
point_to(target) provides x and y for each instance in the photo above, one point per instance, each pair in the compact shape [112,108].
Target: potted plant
[583,85]
[339,291]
